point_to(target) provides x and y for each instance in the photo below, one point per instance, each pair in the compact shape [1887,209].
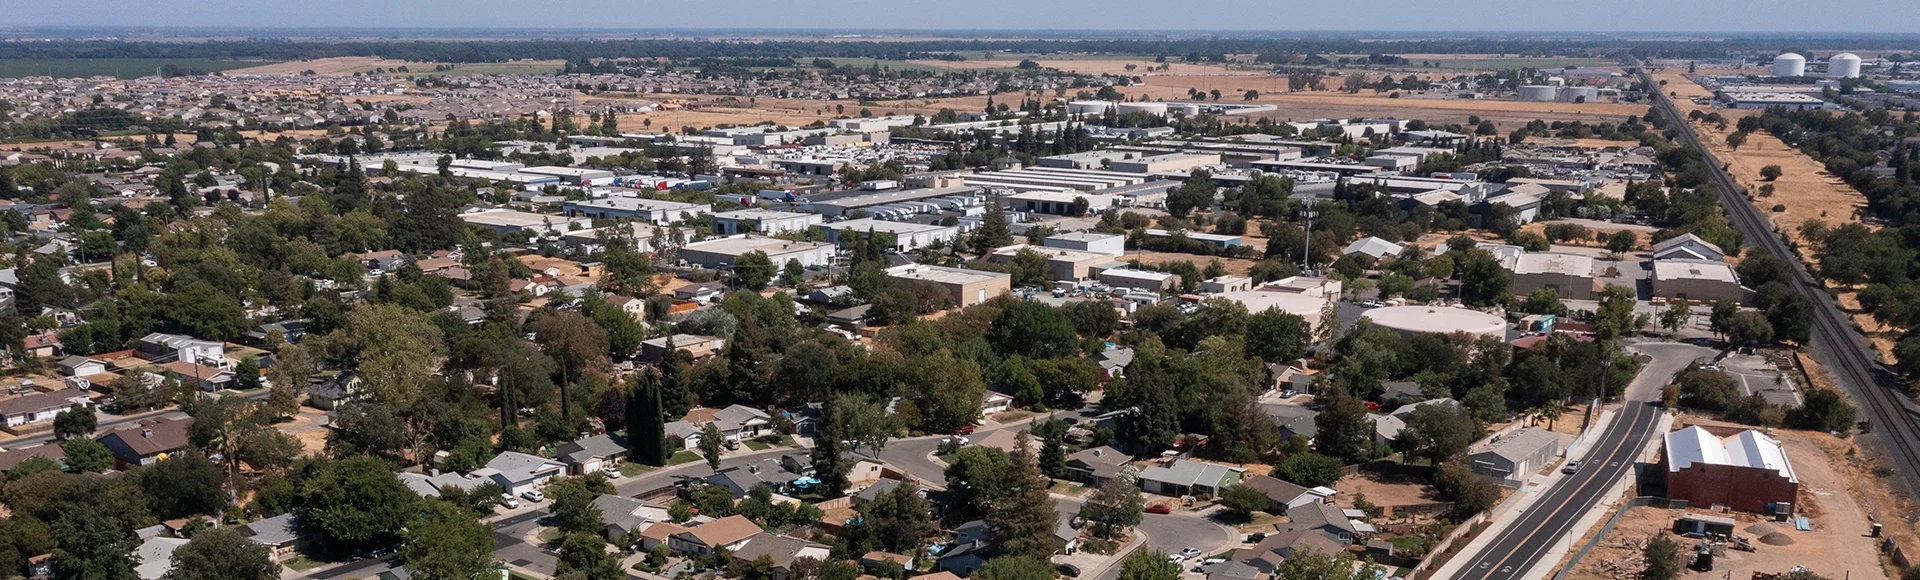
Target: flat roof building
[1409,320]
[1167,162]
[1311,308]
[1062,264]
[1123,277]
[763,221]
[1073,203]
[965,287]
[591,239]
[839,205]
[1215,240]
[658,211]
[1109,244]
[539,224]
[1698,280]
[1569,275]
[906,235]
[725,252]
[572,175]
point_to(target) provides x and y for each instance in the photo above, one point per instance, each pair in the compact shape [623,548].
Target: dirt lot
[1383,488]
[1836,547]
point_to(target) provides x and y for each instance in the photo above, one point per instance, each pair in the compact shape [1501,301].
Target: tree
[1483,280]
[712,443]
[573,341]
[1470,493]
[223,554]
[646,423]
[898,521]
[92,538]
[1770,172]
[386,343]
[1344,431]
[1736,139]
[976,477]
[1622,242]
[356,501]
[447,543]
[1309,469]
[1033,330]
[186,484]
[1023,519]
[76,421]
[1661,558]
[1278,336]
[1675,316]
[1151,564]
[1311,564]
[573,508]
[994,231]
[1115,506]
[1615,317]
[1016,567]
[1242,501]
[1823,410]
[1749,328]
[246,374]
[586,554]
[1436,432]
[754,270]
[86,455]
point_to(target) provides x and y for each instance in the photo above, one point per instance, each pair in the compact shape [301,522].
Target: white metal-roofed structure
[723,252]
[658,211]
[1748,448]
[507,220]
[764,221]
[1372,246]
[907,235]
[1701,280]
[1438,320]
[1304,306]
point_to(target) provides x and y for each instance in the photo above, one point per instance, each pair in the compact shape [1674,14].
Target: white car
[610,472]
[1188,553]
[1572,466]
[507,499]
[533,495]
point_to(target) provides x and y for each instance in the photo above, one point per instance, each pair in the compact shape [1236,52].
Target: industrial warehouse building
[1059,203]
[724,252]
[1122,277]
[1308,307]
[966,287]
[657,211]
[1516,455]
[1062,264]
[906,235]
[1746,471]
[539,224]
[1181,162]
[1109,244]
[903,202]
[1698,280]
[1569,275]
[762,221]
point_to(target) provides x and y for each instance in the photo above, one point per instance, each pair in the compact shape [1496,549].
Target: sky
[1832,16]
[1544,16]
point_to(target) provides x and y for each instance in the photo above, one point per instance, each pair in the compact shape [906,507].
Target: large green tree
[1023,517]
[223,554]
[447,543]
[646,424]
[357,501]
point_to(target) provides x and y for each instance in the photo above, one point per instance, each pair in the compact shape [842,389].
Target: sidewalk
[1616,495]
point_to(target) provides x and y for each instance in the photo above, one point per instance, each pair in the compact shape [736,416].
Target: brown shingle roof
[167,435]
[724,531]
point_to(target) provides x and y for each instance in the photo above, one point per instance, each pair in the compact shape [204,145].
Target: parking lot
[1759,374]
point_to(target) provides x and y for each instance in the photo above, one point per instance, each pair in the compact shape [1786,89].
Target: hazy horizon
[1386,16]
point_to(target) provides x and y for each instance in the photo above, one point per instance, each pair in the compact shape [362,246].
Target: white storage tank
[1539,93]
[1411,320]
[1089,107]
[1159,109]
[1579,94]
[1789,65]
[1843,66]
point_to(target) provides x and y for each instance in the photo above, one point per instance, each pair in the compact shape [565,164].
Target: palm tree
[1553,409]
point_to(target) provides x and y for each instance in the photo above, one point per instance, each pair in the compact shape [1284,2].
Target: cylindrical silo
[1148,108]
[1579,94]
[1089,107]
[1541,93]
[1843,66]
[1789,65]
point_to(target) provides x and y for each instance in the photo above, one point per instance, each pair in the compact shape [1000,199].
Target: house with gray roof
[430,484]
[741,479]
[622,515]
[518,472]
[282,533]
[782,550]
[1183,477]
[742,422]
[589,454]
[1294,420]
[1322,517]
[1282,495]
[1095,465]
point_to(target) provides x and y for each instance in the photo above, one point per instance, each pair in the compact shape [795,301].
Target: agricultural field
[125,68]
[347,65]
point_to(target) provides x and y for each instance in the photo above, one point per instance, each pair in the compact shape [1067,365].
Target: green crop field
[125,68]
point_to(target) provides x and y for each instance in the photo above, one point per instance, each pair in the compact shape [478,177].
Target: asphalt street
[1611,457]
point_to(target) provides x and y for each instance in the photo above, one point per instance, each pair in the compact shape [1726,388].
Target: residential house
[154,558]
[1113,361]
[703,292]
[161,347]
[281,533]
[1294,420]
[1373,247]
[659,534]
[42,345]
[431,484]
[1277,547]
[147,442]
[37,407]
[994,403]
[589,454]
[9,458]
[725,533]
[874,491]
[622,515]
[1095,465]
[201,377]
[519,472]
[963,558]
[699,347]
[741,479]
[634,307]
[1325,518]
[1282,495]
[1402,391]
[80,366]
[1183,477]
[737,422]
[781,550]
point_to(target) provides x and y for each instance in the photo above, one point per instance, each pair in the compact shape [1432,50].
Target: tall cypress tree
[646,427]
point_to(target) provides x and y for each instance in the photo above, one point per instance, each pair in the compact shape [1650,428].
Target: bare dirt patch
[1385,487]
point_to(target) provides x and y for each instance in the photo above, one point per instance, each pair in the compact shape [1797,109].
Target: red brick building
[1746,471]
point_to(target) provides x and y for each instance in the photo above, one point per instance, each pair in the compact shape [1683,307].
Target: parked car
[1189,553]
[1159,509]
[507,499]
[611,472]
[1068,570]
[533,495]
[964,430]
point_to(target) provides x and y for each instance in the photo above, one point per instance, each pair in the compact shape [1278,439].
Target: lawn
[680,457]
[302,563]
[630,469]
[125,68]
[769,442]
[1065,487]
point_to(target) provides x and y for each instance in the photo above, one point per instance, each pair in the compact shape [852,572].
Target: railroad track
[1883,396]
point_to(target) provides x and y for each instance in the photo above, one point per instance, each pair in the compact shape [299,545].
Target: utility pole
[1306,235]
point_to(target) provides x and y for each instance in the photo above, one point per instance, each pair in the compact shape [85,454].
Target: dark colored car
[1159,509]
[964,430]
[1068,570]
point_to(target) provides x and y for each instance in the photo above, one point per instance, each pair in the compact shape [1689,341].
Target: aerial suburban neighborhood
[287,299]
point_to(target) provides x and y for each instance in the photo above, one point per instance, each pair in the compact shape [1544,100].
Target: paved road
[107,422]
[1533,532]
